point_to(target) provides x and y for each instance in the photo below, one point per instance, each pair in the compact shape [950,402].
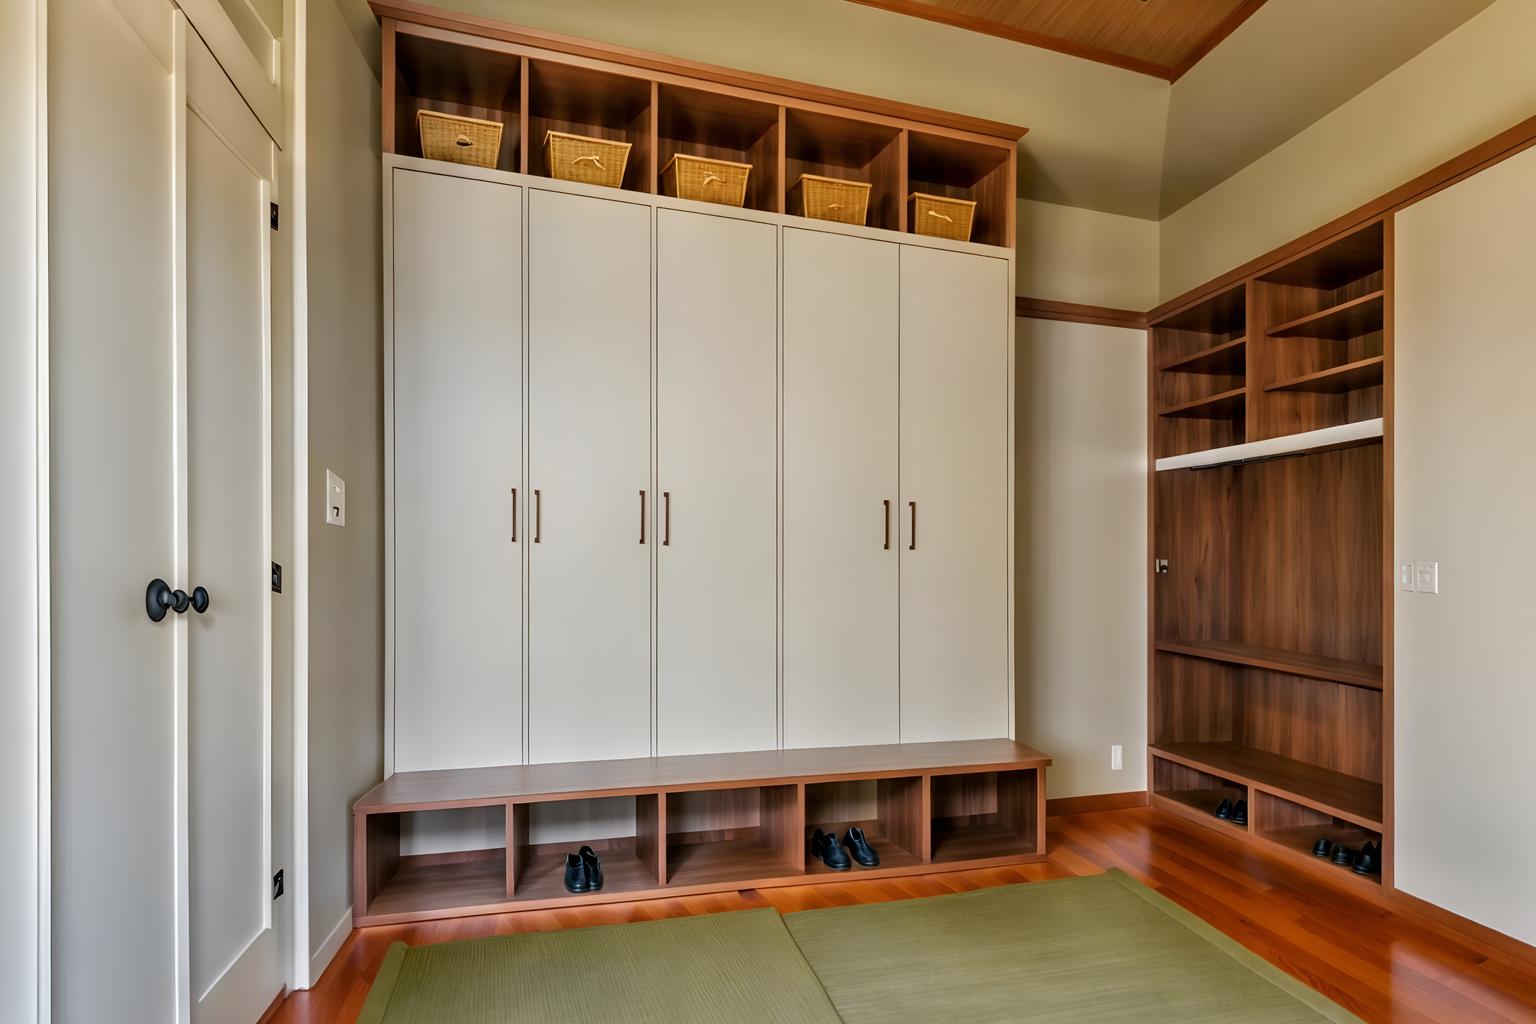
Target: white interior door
[457,466]
[224,499]
[954,483]
[717,446]
[589,469]
[840,307]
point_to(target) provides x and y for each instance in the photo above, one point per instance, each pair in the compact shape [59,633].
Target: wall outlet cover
[1405,577]
[335,500]
[1426,577]
[1116,758]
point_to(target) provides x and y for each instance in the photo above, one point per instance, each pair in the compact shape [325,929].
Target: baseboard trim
[1078,313]
[277,1004]
[330,947]
[1497,941]
[1099,802]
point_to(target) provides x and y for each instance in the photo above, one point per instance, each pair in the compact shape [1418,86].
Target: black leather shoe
[1240,813]
[594,868]
[576,874]
[1323,848]
[825,848]
[859,847]
[1224,812]
[1343,856]
[1369,861]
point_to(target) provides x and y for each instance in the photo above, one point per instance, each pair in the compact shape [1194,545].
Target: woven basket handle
[464,140]
[590,156]
[936,213]
[834,206]
[711,177]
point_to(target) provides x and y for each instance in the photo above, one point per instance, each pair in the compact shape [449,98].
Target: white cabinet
[589,470]
[841,301]
[716,443]
[457,442]
[954,484]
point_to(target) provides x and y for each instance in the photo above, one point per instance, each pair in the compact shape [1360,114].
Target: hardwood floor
[1383,964]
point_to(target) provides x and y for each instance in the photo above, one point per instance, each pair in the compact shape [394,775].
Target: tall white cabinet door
[716,570]
[589,450]
[457,458]
[841,340]
[954,482]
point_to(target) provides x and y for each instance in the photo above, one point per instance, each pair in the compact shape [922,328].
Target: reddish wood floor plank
[1382,964]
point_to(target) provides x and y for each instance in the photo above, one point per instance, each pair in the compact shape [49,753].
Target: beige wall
[1465,691]
[1068,254]
[1082,552]
[1466,88]
[346,564]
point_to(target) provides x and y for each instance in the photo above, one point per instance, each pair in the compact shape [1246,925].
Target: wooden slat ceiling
[1164,38]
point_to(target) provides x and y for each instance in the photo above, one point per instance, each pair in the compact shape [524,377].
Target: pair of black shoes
[1365,861]
[826,848]
[1236,813]
[583,871]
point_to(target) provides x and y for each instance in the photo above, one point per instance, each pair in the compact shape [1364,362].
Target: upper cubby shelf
[1335,264]
[532,82]
[1348,319]
[1321,440]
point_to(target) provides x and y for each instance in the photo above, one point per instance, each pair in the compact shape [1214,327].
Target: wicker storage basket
[941,216]
[459,140]
[582,158]
[814,196]
[712,181]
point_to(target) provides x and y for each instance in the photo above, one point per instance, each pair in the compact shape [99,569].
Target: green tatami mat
[738,966]
[1103,949]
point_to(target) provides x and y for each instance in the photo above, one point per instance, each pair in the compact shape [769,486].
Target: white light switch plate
[1405,576]
[1426,577]
[335,500]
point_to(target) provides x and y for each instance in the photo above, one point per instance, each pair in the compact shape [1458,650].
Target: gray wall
[1081,552]
[346,564]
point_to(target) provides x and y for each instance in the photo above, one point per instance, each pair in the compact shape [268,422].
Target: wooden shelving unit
[1270,623]
[703,823]
[533,82]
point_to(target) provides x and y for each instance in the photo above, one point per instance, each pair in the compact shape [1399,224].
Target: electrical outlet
[1405,577]
[1426,577]
[1116,761]
[277,885]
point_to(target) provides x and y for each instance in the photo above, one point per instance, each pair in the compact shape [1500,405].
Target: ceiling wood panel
[1164,38]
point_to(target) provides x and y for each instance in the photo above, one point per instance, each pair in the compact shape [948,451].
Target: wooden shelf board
[542,875]
[1227,405]
[1298,840]
[1205,801]
[891,855]
[1334,793]
[1224,313]
[1338,323]
[1229,357]
[725,861]
[976,842]
[1313,666]
[1345,435]
[1336,263]
[419,888]
[1363,373]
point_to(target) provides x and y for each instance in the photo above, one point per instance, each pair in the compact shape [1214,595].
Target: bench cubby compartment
[981,815]
[890,811]
[744,833]
[623,831]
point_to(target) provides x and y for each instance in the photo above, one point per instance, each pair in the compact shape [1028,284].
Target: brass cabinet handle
[912,545]
[642,517]
[514,515]
[887,504]
[538,514]
[666,522]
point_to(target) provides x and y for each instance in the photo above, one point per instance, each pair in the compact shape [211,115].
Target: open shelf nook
[741,834]
[1199,389]
[838,147]
[723,127]
[983,815]
[584,101]
[622,831]
[1194,793]
[943,166]
[890,811]
[1296,830]
[452,78]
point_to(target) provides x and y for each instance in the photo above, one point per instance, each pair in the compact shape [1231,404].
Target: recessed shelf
[942,166]
[1342,436]
[1204,802]
[1229,357]
[429,885]
[1337,263]
[1225,314]
[1227,405]
[1336,380]
[1313,666]
[1338,323]
[723,127]
[541,871]
[1344,796]
[728,860]
[584,101]
[838,147]
[891,854]
[451,78]
[1297,840]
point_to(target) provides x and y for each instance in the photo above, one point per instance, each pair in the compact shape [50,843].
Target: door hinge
[277,578]
[277,885]
[274,216]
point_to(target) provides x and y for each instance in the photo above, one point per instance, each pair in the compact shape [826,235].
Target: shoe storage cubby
[532,82]
[890,811]
[742,833]
[683,825]
[976,816]
[1296,829]
[1192,792]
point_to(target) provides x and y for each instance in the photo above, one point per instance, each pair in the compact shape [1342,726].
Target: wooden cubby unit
[672,826]
[533,82]
[1270,516]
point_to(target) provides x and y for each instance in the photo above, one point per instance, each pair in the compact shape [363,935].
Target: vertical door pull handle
[538,515]
[642,517]
[912,544]
[887,504]
[514,515]
[666,522]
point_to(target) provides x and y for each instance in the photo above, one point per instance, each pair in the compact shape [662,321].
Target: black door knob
[159,598]
[199,600]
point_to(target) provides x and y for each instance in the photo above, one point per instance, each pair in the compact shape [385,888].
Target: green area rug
[1099,949]
[1104,949]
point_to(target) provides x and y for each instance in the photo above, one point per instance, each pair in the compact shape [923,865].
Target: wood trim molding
[1480,157]
[423,14]
[1500,944]
[1077,313]
[1090,804]
[1225,28]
